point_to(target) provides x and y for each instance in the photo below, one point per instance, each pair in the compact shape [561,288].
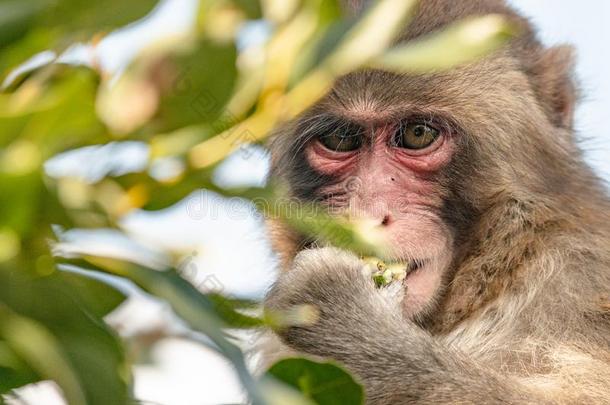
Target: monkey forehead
[432,15]
[494,86]
[376,95]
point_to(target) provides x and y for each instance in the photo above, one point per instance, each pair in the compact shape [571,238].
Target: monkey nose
[385,221]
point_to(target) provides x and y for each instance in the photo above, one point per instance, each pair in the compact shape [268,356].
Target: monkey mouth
[414,265]
[399,268]
[408,266]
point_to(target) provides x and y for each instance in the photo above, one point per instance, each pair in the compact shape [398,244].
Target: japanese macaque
[475,178]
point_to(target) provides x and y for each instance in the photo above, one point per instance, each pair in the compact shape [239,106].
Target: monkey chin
[424,285]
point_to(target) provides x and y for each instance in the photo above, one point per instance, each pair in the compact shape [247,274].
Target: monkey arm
[363,328]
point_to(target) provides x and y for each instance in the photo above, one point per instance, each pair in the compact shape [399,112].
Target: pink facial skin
[396,187]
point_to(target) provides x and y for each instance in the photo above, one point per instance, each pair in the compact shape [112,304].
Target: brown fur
[525,304]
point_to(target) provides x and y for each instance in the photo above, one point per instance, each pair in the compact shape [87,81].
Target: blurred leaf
[359,235]
[178,143]
[366,39]
[298,315]
[317,50]
[89,17]
[323,382]
[73,16]
[462,42]
[208,314]
[253,129]
[98,297]
[55,110]
[42,351]
[279,393]
[236,303]
[10,244]
[285,47]
[228,309]
[201,88]
[47,325]
[283,53]
[22,60]
[251,8]
[47,114]
[188,303]
[208,10]
[371,35]
[169,87]
[17,17]
[165,193]
[17,197]
[14,371]
[279,11]
[38,25]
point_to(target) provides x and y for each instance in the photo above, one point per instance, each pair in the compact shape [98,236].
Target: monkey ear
[553,80]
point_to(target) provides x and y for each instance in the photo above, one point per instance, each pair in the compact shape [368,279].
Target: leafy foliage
[193,99]
[324,383]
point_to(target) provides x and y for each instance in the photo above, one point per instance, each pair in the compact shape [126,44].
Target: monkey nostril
[386,220]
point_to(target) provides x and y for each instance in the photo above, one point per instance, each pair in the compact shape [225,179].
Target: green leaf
[97,296]
[14,371]
[276,392]
[324,382]
[360,235]
[52,330]
[54,109]
[202,87]
[41,118]
[463,42]
[251,8]
[18,201]
[166,193]
[170,87]
[35,41]
[37,345]
[228,309]
[68,21]
[372,34]
[188,303]
[319,49]
[17,17]
[72,16]
[88,17]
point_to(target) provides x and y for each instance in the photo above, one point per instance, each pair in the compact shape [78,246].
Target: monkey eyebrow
[324,123]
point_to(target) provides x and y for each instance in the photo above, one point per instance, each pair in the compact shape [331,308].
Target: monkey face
[389,165]
[387,171]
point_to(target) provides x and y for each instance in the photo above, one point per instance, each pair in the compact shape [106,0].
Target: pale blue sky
[586,25]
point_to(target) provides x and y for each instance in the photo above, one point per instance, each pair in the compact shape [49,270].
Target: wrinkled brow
[315,124]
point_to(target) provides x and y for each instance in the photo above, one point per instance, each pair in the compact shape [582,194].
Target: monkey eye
[345,139]
[415,136]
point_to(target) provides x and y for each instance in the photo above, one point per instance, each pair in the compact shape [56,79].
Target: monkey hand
[350,307]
